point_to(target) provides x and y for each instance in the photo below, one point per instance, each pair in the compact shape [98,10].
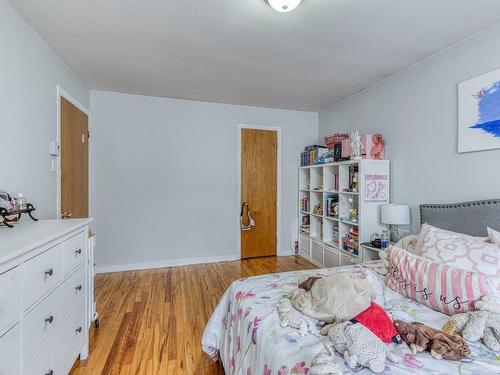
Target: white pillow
[427,229]
[494,236]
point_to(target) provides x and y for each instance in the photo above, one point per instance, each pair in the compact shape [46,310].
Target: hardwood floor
[152,321]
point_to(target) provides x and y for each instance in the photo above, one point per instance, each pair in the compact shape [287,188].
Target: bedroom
[166,93]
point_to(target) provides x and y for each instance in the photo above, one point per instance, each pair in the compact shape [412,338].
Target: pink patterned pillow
[441,287]
[429,229]
[465,252]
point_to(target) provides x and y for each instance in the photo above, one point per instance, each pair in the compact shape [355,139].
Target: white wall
[416,110]
[165,177]
[29,73]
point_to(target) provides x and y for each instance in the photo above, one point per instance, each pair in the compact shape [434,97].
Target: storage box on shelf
[340,212]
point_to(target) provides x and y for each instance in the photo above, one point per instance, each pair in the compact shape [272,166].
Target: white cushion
[494,236]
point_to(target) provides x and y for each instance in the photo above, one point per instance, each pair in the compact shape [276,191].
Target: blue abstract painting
[479,113]
[489,110]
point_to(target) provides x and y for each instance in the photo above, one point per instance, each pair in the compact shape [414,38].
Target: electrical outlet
[54,165]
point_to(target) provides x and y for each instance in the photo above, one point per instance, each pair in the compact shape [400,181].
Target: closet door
[258,191]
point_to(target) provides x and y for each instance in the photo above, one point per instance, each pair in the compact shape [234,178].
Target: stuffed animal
[441,345]
[323,363]
[376,320]
[360,346]
[482,324]
[291,317]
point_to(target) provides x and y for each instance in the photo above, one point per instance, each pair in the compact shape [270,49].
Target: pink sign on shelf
[373,146]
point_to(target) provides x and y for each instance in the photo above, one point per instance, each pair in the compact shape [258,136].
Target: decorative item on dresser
[349,194]
[44,303]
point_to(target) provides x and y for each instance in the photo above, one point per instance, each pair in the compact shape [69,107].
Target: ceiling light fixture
[284,5]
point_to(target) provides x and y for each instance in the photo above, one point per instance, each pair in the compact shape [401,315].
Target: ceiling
[243,52]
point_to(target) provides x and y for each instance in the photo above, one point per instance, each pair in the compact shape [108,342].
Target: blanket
[335,298]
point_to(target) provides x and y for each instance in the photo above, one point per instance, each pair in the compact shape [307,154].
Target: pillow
[408,243]
[441,287]
[428,230]
[494,236]
[465,252]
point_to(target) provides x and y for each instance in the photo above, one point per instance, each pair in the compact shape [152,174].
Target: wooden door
[259,190]
[74,161]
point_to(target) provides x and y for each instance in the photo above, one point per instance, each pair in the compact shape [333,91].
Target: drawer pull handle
[78,252]
[49,272]
[51,372]
[79,287]
[49,320]
[78,330]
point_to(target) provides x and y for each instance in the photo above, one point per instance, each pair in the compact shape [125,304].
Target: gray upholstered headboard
[469,217]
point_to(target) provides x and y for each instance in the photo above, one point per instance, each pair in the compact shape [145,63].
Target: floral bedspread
[244,332]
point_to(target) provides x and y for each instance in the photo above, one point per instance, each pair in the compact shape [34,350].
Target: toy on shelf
[353,215]
[356,145]
[332,205]
[318,209]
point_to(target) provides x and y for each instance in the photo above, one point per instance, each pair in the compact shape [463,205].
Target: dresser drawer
[63,348]
[10,297]
[10,352]
[41,273]
[74,252]
[43,321]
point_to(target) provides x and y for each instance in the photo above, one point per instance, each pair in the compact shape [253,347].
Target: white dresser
[44,299]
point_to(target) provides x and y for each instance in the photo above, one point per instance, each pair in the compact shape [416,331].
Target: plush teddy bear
[291,317]
[482,324]
[360,346]
[441,345]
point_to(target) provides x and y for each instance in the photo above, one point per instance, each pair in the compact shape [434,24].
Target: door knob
[251,222]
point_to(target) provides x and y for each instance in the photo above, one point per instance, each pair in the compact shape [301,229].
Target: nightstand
[370,253]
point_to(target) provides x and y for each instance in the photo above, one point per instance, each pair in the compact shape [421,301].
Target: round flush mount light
[284,5]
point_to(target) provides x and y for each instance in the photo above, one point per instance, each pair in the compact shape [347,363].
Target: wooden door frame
[61,93]
[277,129]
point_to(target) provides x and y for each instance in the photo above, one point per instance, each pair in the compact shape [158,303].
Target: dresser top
[29,235]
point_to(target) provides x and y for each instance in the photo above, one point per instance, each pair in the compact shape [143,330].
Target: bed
[244,332]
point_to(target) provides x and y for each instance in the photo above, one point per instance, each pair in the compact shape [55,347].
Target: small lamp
[395,215]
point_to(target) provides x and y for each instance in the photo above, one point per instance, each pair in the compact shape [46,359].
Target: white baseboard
[165,264]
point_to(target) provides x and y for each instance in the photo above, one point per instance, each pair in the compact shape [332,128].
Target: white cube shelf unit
[321,232]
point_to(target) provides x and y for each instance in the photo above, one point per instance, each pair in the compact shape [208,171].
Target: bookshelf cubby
[330,232]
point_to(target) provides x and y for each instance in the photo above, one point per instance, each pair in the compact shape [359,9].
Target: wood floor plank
[152,321]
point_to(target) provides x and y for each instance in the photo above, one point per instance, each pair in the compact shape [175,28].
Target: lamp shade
[395,214]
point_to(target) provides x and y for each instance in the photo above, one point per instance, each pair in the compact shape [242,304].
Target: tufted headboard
[469,217]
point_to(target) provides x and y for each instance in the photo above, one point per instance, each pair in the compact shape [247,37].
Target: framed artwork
[376,188]
[479,113]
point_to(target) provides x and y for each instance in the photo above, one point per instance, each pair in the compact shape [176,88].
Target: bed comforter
[244,332]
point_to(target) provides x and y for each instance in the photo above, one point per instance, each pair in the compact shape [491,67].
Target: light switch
[54,148]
